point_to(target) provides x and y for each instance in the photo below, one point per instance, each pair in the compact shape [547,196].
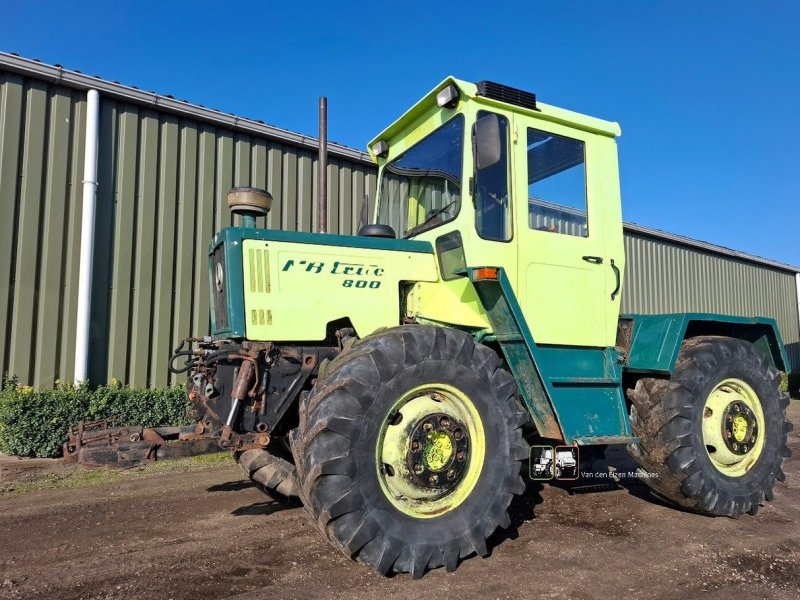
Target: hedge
[35,422]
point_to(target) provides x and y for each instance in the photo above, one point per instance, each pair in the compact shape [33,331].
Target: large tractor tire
[712,438]
[409,450]
[273,474]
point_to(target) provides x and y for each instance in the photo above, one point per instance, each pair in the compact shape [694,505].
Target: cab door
[565,274]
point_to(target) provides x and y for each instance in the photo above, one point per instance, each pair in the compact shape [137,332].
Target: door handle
[619,279]
[595,260]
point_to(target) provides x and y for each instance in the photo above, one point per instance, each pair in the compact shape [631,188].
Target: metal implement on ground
[101,444]
[394,381]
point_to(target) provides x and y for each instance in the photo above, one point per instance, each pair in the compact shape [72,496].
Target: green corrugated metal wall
[161,195]
[41,167]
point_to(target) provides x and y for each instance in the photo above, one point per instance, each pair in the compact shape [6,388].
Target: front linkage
[240,393]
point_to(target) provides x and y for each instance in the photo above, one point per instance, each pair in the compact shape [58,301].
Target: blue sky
[707,93]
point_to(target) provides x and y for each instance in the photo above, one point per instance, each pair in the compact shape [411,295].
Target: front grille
[496,91]
[219,286]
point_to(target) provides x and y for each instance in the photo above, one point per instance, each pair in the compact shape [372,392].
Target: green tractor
[393,381]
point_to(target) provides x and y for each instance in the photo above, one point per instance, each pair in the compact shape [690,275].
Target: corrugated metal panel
[663,277]
[41,166]
[163,177]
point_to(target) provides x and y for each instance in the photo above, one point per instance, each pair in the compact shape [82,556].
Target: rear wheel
[409,450]
[712,438]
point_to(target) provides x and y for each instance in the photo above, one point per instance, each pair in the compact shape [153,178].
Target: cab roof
[470,91]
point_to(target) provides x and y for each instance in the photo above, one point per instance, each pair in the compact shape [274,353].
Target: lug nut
[427,426]
[418,468]
[451,474]
[433,479]
[460,455]
[415,445]
[458,434]
[444,422]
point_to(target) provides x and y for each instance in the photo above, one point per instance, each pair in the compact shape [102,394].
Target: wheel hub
[733,427]
[430,450]
[438,451]
[739,427]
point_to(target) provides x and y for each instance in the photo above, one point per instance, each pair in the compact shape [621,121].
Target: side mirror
[488,147]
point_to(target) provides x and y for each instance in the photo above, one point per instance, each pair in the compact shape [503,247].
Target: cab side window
[491,193]
[557,184]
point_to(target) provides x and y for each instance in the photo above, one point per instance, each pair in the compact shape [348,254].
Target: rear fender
[652,342]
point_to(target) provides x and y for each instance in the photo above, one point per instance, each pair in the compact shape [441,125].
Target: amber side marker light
[484,274]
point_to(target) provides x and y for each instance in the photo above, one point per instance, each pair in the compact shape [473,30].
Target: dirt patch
[204,532]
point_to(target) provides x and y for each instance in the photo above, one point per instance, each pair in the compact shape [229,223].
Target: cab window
[557,184]
[421,189]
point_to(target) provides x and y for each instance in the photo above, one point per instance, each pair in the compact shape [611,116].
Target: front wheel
[271,473]
[712,438]
[409,450]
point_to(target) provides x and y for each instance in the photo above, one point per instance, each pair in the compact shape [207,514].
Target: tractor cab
[491,176]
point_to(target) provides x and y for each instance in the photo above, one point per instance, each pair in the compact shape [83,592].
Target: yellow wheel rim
[430,451]
[733,427]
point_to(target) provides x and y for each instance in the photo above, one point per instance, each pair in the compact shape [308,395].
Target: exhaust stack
[322,165]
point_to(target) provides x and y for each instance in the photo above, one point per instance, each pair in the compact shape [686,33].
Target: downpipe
[82,328]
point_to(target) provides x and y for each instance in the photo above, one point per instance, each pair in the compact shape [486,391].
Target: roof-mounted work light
[380,149]
[447,97]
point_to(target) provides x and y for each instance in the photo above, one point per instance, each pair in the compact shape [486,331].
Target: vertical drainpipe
[87,236]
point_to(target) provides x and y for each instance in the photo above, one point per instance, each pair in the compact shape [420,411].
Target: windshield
[421,188]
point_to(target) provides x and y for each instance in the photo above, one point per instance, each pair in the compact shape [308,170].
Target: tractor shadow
[520,511]
[268,507]
[232,486]
[262,508]
[614,471]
